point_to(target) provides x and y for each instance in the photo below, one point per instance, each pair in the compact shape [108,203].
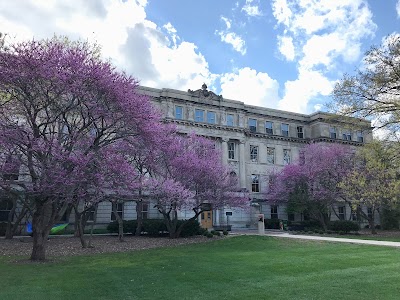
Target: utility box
[260,223]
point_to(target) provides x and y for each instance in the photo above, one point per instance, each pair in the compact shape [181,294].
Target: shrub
[344,226]
[191,228]
[209,235]
[129,226]
[271,223]
[225,232]
[217,233]
[153,227]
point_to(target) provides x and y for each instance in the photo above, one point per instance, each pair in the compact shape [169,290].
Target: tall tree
[191,177]
[373,182]
[61,113]
[374,92]
[311,185]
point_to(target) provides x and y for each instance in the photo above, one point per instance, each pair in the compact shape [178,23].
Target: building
[254,141]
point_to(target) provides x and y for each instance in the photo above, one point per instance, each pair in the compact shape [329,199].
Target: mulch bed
[71,246]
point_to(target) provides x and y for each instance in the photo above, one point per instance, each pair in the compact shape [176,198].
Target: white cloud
[324,31]
[398,8]
[251,10]
[286,47]
[154,55]
[251,87]
[231,38]
[298,92]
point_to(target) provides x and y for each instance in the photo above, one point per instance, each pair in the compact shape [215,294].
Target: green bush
[217,233]
[225,232]
[153,227]
[129,226]
[156,227]
[209,235]
[344,226]
[191,228]
[271,223]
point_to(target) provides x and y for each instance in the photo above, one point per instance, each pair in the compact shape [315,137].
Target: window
[332,132]
[253,125]
[89,214]
[231,150]
[229,120]
[255,183]
[346,135]
[355,214]
[360,137]
[145,210]
[6,205]
[269,127]
[341,212]
[369,212]
[274,212]
[270,156]
[286,156]
[300,132]
[285,129]
[199,115]
[179,112]
[120,211]
[253,153]
[211,117]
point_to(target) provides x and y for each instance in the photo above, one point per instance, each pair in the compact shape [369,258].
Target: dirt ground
[71,246]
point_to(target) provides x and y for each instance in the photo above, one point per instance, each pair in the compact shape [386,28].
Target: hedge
[343,226]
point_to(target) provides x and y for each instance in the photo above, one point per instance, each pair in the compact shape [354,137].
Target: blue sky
[284,54]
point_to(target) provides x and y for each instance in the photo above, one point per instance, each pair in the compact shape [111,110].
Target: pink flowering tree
[62,110]
[312,184]
[191,177]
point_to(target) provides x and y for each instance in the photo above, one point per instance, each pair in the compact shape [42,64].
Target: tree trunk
[120,222]
[9,228]
[371,222]
[139,217]
[92,226]
[42,222]
[81,230]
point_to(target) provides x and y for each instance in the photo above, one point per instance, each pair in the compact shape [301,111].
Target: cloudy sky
[284,54]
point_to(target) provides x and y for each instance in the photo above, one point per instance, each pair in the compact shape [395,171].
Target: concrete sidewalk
[281,234]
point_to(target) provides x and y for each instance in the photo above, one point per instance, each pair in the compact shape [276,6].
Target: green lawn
[246,267]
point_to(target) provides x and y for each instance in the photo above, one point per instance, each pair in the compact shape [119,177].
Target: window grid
[253,153]
[341,212]
[231,150]
[270,155]
[199,115]
[269,127]
[332,132]
[211,117]
[274,212]
[120,211]
[179,112]
[229,120]
[346,135]
[255,183]
[285,129]
[360,137]
[286,156]
[253,125]
[300,132]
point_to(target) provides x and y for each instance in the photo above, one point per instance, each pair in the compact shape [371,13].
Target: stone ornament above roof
[203,93]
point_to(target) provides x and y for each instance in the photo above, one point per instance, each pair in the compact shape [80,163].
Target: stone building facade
[254,141]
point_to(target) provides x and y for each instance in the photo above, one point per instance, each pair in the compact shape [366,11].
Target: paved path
[319,238]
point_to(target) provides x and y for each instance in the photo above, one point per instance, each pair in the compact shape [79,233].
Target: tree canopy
[374,91]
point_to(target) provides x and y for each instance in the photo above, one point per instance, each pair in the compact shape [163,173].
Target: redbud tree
[62,111]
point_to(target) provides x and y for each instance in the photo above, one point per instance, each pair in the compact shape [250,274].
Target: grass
[246,267]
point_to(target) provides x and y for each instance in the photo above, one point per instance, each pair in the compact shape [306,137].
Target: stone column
[242,164]
[224,150]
